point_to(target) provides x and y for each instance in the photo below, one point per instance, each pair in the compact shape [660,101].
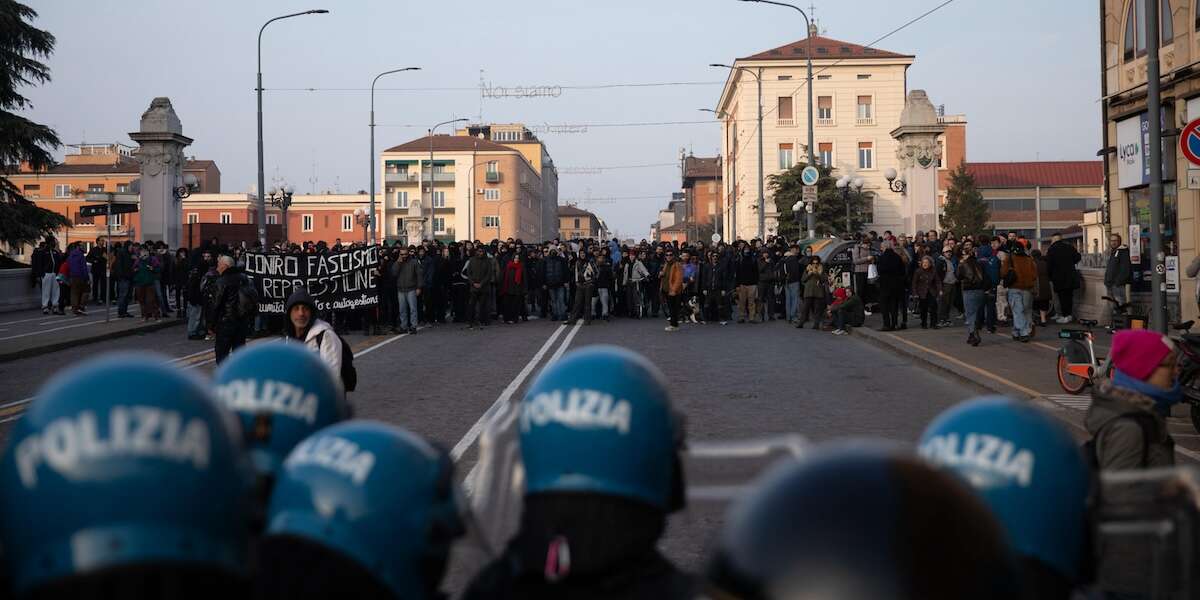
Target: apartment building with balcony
[472,188]
[110,167]
[858,94]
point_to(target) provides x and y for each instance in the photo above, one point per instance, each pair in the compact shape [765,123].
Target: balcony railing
[824,122]
[787,122]
[443,177]
[864,121]
[492,177]
[400,177]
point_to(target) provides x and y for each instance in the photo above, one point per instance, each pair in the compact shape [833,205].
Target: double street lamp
[262,204]
[372,125]
[281,197]
[847,185]
[364,218]
[812,156]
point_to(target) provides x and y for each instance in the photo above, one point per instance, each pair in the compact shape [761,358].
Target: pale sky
[1025,72]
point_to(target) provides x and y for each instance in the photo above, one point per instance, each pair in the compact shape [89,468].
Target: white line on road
[472,434]
[381,344]
[563,348]
[41,331]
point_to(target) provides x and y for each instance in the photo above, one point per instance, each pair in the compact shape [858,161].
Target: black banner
[337,281]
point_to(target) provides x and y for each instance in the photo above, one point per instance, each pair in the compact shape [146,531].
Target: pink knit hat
[1138,352]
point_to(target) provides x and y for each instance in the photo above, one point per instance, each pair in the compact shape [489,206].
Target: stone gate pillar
[161,142]
[917,153]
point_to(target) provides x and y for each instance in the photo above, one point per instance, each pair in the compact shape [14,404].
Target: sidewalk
[1000,365]
[29,333]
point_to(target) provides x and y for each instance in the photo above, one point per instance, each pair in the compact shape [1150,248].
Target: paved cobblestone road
[732,382]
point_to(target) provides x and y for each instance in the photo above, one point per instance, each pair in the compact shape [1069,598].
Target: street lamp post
[281,198]
[895,183]
[812,160]
[762,215]
[364,218]
[732,184]
[432,210]
[262,205]
[847,185]
[374,235]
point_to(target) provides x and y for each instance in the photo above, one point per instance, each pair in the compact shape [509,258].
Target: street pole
[812,153]
[762,207]
[1158,306]
[372,222]
[262,203]
[107,255]
[432,210]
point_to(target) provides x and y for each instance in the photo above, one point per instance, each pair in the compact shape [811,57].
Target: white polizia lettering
[986,460]
[140,431]
[578,409]
[279,397]
[336,454]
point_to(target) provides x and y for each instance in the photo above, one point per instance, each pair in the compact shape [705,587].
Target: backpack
[349,374]
[247,299]
[1144,420]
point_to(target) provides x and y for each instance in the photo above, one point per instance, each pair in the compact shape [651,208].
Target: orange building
[97,168]
[575,223]
[702,191]
[311,217]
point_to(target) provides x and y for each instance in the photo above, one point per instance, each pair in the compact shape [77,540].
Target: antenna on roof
[312,181]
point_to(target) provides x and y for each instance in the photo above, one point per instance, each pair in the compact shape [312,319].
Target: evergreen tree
[22,48]
[830,210]
[965,212]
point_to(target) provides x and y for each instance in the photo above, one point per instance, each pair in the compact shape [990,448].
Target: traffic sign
[1189,142]
[716,238]
[809,176]
[99,210]
[810,193]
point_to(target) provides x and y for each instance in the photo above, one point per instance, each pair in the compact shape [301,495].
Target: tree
[22,47]
[965,212]
[830,211]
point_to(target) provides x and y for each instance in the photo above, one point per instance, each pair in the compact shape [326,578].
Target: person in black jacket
[717,284]
[227,322]
[605,281]
[1062,258]
[45,262]
[389,308]
[554,281]
[791,272]
[194,296]
[892,278]
[1118,273]
[746,273]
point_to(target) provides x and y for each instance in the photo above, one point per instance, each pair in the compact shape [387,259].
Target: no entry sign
[1189,142]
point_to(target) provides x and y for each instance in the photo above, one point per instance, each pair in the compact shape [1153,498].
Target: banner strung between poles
[343,280]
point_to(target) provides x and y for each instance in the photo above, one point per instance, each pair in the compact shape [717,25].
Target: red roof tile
[824,47]
[695,166]
[566,210]
[1063,173]
[449,143]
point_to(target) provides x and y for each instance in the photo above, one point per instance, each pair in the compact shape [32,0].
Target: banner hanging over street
[342,280]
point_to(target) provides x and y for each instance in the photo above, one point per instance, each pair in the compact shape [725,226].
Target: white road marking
[472,434]
[1071,402]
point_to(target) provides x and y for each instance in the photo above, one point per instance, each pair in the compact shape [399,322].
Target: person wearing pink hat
[1127,418]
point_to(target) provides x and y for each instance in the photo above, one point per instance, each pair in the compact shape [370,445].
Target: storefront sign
[1133,153]
[337,281]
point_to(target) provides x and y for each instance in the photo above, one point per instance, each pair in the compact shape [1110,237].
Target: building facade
[1037,199]
[703,196]
[576,223]
[97,168]
[858,94]
[1124,48]
[474,188]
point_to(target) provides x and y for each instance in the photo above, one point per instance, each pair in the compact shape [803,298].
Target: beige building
[1126,151]
[858,95]
[481,189]
[576,223]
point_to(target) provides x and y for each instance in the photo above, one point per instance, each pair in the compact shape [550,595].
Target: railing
[443,177]
[787,122]
[864,121]
[400,177]
[824,122]
[1094,261]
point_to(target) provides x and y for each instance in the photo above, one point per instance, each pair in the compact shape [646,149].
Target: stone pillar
[917,154]
[161,143]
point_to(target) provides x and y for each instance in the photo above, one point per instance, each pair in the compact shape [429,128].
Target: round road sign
[810,175]
[1189,142]
[716,238]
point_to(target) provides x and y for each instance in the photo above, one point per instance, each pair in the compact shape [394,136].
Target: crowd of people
[259,483]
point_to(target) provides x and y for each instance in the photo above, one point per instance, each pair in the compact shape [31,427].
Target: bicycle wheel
[1070,382]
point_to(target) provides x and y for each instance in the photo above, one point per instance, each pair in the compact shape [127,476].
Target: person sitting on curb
[846,311]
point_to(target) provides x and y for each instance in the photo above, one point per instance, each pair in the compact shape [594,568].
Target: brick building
[702,194]
[574,222]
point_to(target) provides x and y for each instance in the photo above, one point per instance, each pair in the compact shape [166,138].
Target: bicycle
[1078,365]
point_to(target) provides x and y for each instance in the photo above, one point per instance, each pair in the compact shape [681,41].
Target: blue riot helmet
[282,393]
[125,477]
[1028,469]
[860,521]
[600,421]
[360,509]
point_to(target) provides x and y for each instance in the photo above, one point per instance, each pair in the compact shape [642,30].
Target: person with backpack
[229,319]
[972,280]
[1128,427]
[304,325]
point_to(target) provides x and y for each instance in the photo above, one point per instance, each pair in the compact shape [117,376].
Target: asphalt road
[732,382]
